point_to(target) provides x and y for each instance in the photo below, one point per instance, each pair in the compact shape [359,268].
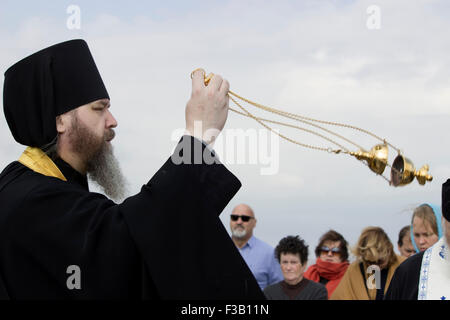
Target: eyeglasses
[235,217]
[334,251]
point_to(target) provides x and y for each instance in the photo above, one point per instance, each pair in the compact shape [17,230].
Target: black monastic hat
[446,200]
[46,84]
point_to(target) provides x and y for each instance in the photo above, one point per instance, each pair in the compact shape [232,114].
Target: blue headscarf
[438,214]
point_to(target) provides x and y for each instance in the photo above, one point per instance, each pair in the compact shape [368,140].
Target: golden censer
[403,171]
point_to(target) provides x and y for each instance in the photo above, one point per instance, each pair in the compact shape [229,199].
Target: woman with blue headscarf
[426,227]
[426,275]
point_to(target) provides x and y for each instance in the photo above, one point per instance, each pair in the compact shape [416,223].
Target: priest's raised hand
[207,109]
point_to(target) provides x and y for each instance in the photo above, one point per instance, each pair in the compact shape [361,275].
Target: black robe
[405,282]
[165,242]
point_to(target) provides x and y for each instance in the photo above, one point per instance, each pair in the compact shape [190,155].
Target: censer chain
[337,151]
[306,119]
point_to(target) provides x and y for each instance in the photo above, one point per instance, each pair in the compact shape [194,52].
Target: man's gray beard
[101,164]
[238,233]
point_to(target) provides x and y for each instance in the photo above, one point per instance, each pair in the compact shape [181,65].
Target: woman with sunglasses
[331,262]
[368,278]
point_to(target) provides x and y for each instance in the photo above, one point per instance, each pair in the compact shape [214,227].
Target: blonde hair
[374,246]
[426,213]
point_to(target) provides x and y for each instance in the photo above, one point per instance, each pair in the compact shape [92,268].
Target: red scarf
[328,270]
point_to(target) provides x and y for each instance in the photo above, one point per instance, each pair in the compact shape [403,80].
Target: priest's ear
[63,122]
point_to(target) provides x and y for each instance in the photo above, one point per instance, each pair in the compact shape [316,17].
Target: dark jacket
[165,242]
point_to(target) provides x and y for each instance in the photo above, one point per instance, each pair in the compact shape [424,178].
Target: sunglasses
[235,217]
[334,251]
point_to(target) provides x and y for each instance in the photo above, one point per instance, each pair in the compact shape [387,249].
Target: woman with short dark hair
[292,253]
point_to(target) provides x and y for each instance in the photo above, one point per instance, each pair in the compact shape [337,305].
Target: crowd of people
[283,273]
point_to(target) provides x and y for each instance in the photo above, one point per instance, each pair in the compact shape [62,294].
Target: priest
[58,240]
[426,275]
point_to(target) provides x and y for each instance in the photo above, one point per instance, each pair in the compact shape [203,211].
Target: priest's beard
[101,165]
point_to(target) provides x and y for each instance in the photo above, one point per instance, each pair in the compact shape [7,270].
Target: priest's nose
[111,122]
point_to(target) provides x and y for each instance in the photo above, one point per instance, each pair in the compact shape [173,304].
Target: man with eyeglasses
[258,255]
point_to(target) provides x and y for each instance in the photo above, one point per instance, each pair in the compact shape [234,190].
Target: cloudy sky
[384,69]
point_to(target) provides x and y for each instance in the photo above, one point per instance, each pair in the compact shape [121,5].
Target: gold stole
[38,161]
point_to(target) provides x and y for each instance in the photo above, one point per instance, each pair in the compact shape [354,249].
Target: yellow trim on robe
[38,161]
